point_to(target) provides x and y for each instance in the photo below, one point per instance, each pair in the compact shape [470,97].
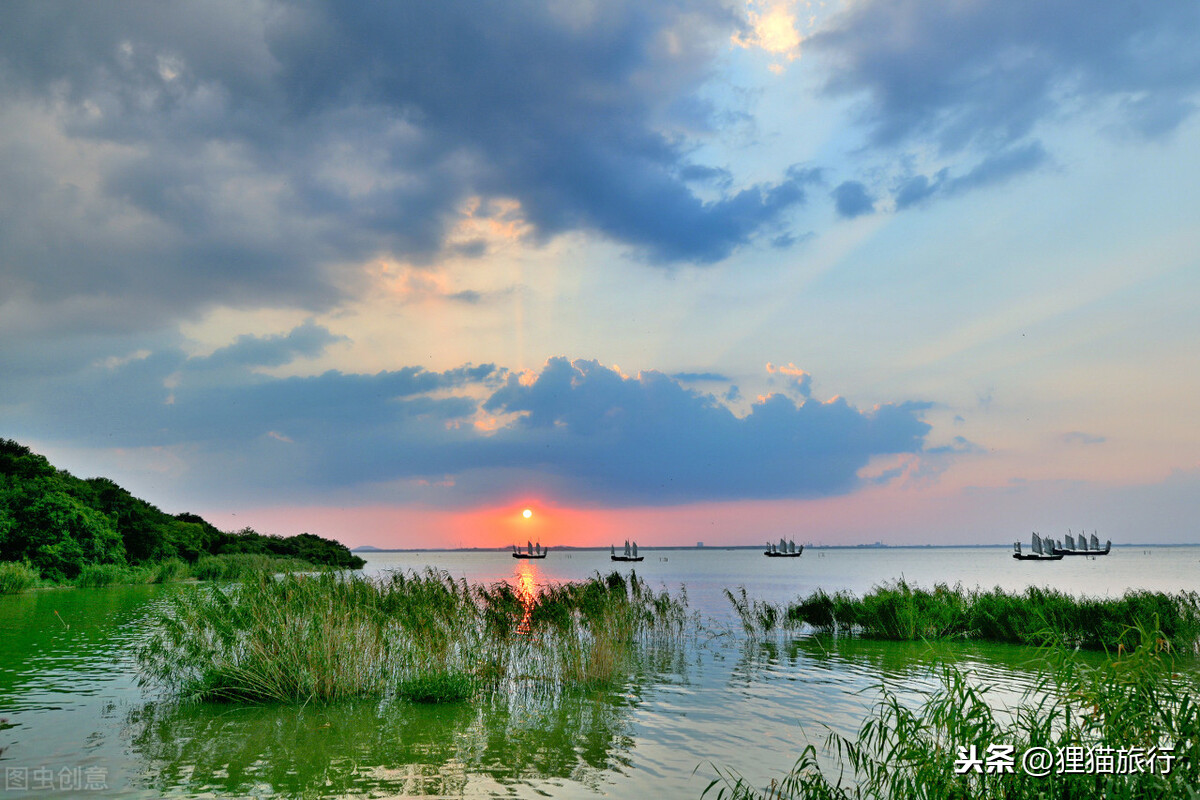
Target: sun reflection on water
[527,579]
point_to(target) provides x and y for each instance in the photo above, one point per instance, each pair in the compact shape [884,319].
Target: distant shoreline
[642,548]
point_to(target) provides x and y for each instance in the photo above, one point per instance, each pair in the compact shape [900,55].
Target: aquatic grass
[98,575]
[17,576]
[168,570]
[758,616]
[233,566]
[438,687]
[1135,698]
[900,612]
[423,636]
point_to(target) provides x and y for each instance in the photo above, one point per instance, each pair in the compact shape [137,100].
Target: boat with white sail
[1043,550]
[785,549]
[1083,547]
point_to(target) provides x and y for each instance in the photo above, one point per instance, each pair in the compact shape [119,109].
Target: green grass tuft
[17,576]
[437,687]
[423,636]
[96,575]
[900,612]
[1133,699]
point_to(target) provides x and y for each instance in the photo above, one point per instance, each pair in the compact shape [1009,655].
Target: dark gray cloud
[241,153]
[650,438]
[852,199]
[581,430]
[985,73]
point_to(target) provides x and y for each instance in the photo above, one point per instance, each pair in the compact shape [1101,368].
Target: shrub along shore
[899,612]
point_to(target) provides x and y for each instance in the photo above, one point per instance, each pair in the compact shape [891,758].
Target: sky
[714,270]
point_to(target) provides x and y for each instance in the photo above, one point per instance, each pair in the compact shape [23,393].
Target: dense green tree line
[59,524]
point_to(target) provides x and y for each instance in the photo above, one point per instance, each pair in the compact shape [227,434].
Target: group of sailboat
[631,553]
[1042,550]
[1047,549]
[531,551]
[785,549]
[1083,547]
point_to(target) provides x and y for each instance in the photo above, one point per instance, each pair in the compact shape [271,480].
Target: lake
[78,724]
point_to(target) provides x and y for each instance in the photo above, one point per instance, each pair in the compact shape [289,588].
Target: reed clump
[901,612]
[97,575]
[233,566]
[422,636]
[17,576]
[1085,715]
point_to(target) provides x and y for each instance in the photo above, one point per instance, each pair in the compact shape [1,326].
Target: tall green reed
[17,576]
[1134,698]
[901,612]
[424,636]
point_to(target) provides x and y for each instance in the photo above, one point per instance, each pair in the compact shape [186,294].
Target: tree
[59,535]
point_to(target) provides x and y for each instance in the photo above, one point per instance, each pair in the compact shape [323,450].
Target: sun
[527,513]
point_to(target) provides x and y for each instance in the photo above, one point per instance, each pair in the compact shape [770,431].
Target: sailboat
[1042,550]
[1083,547]
[630,553]
[785,549]
[530,551]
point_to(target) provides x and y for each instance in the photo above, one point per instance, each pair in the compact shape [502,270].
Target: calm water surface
[76,715]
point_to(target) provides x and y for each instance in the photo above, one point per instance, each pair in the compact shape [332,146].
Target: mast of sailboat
[635,549]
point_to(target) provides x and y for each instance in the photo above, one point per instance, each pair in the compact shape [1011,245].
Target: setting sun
[527,513]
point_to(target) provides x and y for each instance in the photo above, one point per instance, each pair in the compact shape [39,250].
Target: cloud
[1000,167]
[696,377]
[772,29]
[985,74]
[647,438]
[1081,438]
[994,169]
[852,200]
[917,189]
[794,378]
[308,340]
[168,157]
[577,430]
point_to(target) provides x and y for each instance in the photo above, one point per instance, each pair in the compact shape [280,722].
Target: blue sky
[906,271]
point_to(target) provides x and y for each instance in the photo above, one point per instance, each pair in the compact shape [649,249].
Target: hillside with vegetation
[65,527]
